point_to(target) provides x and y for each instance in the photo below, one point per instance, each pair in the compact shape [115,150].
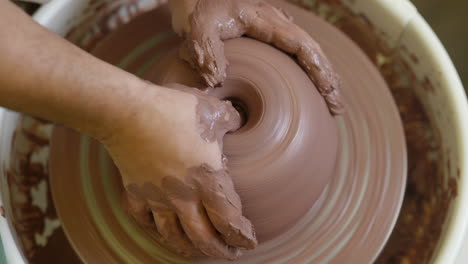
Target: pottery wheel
[317,188]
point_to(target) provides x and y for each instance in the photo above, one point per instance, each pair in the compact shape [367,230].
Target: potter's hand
[165,142]
[212,21]
[170,157]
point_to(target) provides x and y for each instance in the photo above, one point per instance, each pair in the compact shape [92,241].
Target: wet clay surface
[278,112]
[429,193]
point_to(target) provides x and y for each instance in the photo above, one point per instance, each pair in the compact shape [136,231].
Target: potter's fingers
[170,229]
[219,116]
[230,119]
[224,208]
[138,209]
[268,24]
[198,228]
[206,55]
[210,25]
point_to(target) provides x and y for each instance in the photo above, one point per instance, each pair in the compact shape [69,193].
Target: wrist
[144,102]
[118,110]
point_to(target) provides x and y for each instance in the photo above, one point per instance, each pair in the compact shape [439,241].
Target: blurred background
[449,19]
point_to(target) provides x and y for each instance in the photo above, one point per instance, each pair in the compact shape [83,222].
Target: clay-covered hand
[170,157]
[212,21]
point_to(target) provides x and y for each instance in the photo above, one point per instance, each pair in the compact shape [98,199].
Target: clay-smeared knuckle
[138,209]
[335,103]
[231,118]
[198,53]
[240,233]
[207,46]
[235,229]
[210,79]
[199,229]
[168,226]
[206,55]
[224,209]
[225,116]
[207,242]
